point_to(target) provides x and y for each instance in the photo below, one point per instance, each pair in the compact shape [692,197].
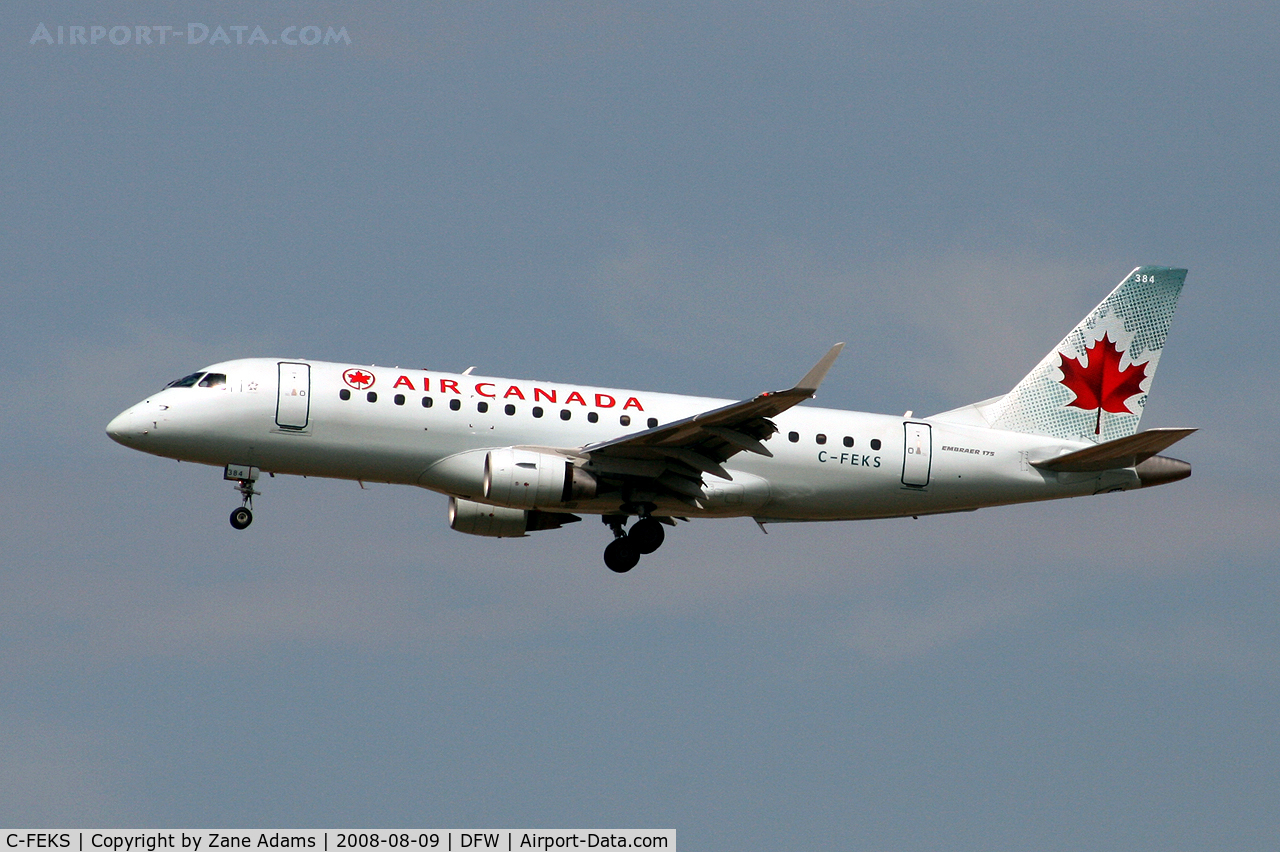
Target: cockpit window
[185,381]
[214,380]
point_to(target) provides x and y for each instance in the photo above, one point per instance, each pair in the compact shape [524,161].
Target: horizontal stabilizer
[1122,452]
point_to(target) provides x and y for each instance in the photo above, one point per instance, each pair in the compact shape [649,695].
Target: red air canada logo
[1100,383]
[358,379]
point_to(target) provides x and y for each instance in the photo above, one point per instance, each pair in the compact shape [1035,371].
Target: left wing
[670,460]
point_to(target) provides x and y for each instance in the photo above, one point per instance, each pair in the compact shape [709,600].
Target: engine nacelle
[474,518]
[528,479]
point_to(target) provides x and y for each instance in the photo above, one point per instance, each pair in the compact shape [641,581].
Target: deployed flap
[697,445]
[1122,452]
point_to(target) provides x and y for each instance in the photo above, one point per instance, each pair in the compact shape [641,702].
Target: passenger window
[372,396]
[482,407]
[848,442]
[625,420]
[185,381]
[592,417]
[426,402]
[653,423]
[875,443]
[537,411]
[399,400]
[820,438]
[793,437]
[565,414]
[213,380]
[344,394]
[455,404]
[510,409]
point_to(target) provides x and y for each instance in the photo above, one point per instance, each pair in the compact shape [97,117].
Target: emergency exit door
[917,455]
[293,405]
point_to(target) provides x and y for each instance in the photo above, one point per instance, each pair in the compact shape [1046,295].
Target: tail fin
[1093,386]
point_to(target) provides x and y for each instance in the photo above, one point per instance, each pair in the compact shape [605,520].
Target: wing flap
[697,461]
[740,440]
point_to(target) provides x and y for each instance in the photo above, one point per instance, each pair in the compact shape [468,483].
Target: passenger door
[293,404]
[918,452]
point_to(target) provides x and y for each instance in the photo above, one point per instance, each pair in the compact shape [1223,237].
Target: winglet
[814,377]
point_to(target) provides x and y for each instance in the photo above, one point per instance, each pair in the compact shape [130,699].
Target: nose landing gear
[244,476]
[625,550]
[241,517]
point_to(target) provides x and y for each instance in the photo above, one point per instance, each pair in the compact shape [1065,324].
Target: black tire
[647,535]
[621,555]
[241,518]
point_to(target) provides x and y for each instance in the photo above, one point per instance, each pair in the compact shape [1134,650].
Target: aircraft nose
[126,427]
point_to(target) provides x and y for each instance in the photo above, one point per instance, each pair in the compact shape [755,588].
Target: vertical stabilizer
[1093,386]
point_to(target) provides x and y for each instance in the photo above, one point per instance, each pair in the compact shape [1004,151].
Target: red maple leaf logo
[358,379]
[1102,384]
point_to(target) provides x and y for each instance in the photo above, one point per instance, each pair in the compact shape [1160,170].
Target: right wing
[671,460]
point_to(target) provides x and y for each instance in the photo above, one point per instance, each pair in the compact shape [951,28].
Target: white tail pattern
[1093,386]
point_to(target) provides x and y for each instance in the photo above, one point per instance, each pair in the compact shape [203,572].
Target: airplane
[517,456]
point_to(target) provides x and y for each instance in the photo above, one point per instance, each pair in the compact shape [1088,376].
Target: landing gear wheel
[241,518]
[621,555]
[647,535]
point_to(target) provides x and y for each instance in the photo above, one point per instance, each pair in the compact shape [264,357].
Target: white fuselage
[432,429]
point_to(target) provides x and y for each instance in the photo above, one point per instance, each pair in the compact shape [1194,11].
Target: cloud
[889,592]
[893,632]
[1204,643]
[54,774]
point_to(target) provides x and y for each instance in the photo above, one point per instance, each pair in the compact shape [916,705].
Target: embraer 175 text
[516,456]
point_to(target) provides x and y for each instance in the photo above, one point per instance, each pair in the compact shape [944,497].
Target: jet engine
[528,479]
[475,518]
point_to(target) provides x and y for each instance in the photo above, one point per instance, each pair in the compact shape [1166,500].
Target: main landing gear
[244,477]
[646,536]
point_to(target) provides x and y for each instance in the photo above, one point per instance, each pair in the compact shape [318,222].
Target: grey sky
[668,198]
